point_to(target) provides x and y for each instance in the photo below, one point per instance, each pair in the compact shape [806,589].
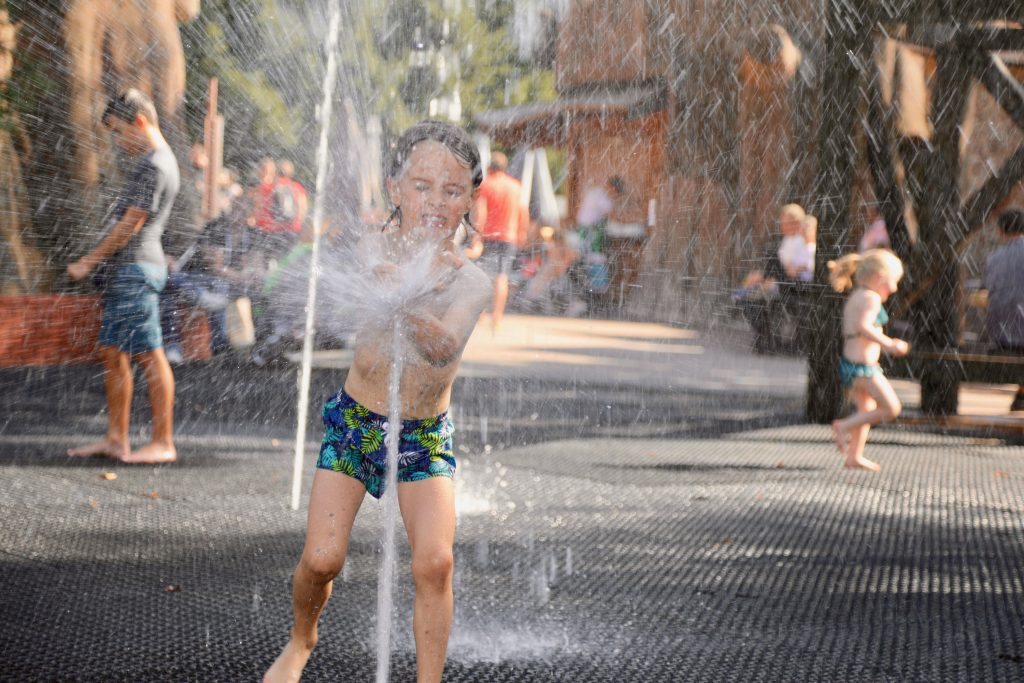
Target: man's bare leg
[428,508]
[160,382]
[499,301]
[333,504]
[118,386]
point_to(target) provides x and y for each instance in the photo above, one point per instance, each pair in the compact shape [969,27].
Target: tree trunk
[938,318]
[846,56]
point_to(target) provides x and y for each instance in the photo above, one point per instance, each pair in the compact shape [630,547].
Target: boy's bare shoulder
[371,238]
[474,283]
[472,274]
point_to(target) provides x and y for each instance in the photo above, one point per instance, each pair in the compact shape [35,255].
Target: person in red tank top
[501,218]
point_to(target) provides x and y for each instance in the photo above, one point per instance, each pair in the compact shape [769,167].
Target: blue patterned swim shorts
[355,444]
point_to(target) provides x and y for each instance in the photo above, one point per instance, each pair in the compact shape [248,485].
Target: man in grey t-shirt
[1004,280]
[133,258]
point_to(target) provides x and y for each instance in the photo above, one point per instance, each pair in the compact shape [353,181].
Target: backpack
[284,205]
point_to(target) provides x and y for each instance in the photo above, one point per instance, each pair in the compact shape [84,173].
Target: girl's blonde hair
[856,268]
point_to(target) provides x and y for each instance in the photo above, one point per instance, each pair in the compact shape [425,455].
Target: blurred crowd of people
[234,262]
[566,268]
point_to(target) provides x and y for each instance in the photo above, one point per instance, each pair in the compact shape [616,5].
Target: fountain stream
[385,589]
[330,77]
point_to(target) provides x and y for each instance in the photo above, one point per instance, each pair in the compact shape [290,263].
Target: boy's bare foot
[102,448]
[151,454]
[862,463]
[288,666]
[839,436]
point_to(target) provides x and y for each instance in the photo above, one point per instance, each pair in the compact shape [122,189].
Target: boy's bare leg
[333,504]
[859,437]
[118,385]
[428,508]
[160,382]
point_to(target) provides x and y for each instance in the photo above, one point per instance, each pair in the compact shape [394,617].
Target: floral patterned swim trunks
[355,444]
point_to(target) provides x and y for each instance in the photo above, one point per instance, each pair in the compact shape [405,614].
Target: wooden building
[695,105]
[719,112]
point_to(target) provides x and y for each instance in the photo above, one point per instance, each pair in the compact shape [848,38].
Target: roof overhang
[547,123]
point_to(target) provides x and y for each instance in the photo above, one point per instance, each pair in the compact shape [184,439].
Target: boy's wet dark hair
[128,105]
[454,138]
[451,136]
[1012,222]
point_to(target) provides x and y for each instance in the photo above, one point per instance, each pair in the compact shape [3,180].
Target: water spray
[318,213]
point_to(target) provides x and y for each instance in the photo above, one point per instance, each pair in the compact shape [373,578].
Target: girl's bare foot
[862,463]
[102,448]
[288,666]
[151,454]
[840,436]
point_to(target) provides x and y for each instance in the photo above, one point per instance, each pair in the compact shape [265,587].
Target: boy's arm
[441,340]
[130,223]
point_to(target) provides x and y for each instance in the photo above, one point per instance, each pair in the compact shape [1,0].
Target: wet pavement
[636,503]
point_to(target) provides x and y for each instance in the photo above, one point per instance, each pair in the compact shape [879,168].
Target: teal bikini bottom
[848,371]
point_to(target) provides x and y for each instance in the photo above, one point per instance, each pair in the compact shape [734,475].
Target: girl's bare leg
[859,436]
[428,508]
[884,406]
[333,504]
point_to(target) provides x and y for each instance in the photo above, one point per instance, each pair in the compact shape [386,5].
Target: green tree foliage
[268,69]
[268,57]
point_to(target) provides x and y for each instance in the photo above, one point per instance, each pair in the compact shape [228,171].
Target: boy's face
[434,191]
[128,135]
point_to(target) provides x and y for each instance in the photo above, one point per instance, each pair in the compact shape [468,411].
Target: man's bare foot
[840,436]
[102,448]
[862,463]
[288,666]
[152,453]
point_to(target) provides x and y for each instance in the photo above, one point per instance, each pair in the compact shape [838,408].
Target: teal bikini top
[880,320]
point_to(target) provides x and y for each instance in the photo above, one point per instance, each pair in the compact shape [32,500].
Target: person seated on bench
[760,297]
[1004,283]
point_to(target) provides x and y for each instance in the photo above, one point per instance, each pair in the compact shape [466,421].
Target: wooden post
[937,317]
[847,55]
[884,178]
[213,145]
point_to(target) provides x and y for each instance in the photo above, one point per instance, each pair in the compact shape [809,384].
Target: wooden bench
[52,329]
[966,364]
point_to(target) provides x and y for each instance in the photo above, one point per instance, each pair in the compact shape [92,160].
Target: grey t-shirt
[152,185]
[1004,280]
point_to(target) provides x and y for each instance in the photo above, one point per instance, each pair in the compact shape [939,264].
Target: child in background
[432,180]
[873,277]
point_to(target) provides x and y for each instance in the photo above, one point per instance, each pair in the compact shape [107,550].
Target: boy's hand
[386,272]
[448,263]
[80,269]
[899,347]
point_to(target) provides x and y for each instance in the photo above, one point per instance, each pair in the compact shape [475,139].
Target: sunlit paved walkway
[609,530]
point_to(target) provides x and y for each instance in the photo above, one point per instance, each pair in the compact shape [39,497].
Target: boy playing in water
[432,181]
[874,277]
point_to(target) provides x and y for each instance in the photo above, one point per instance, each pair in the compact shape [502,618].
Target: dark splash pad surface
[616,555]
